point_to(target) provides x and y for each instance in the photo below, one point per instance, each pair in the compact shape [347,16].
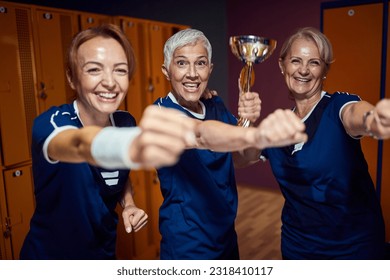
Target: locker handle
[42,93]
[9,223]
[150,86]
[12,221]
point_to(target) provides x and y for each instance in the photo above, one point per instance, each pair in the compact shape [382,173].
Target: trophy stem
[248,75]
[246,81]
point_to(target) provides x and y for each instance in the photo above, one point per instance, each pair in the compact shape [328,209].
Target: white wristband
[110,147]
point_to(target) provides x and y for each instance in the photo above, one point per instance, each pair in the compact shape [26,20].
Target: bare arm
[280,128]
[362,118]
[73,145]
[164,135]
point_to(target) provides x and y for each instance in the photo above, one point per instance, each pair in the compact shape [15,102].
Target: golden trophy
[250,49]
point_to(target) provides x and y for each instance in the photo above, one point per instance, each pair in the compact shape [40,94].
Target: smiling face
[103,79]
[303,69]
[188,73]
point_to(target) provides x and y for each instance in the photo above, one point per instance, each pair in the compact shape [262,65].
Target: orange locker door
[385,190]
[5,242]
[54,30]
[135,100]
[357,69]
[17,106]
[19,196]
[356,35]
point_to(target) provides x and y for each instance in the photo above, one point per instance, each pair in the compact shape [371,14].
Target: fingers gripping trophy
[250,50]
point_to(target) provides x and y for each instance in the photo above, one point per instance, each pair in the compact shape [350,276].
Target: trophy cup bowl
[250,50]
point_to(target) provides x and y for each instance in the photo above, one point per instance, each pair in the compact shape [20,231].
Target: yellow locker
[53,32]
[135,31]
[5,244]
[356,35]
[17,107]
[20,206]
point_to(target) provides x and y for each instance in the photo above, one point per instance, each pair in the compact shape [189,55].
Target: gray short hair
[182,38]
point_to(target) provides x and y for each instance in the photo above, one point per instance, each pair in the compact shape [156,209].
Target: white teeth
[107,95]
[302,80]
[191,85]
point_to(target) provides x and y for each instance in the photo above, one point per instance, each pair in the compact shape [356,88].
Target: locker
[53,32]
[19,196]
[17,107]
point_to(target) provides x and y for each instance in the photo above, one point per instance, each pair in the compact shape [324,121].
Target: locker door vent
[66,38]
[26,66]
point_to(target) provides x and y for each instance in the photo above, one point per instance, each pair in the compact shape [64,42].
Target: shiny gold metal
[250,50]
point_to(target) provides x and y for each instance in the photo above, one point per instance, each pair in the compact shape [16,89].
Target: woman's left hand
[134,218]
[208,93]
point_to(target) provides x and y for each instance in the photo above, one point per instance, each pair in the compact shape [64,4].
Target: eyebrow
[185,57]
[101,64]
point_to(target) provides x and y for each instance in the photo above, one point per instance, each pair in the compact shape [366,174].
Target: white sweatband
[110,147]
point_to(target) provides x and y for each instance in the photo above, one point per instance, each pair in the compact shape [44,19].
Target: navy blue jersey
[75,214]
[331,210]
[200,198]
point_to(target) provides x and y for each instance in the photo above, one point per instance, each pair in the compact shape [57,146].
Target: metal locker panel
[53,33]
[158,34]
[17,108]
[20,200]
[138,88]
[356,35]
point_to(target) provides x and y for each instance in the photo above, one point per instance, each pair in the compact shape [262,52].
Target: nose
[108,80]
[304,69]
[192,71]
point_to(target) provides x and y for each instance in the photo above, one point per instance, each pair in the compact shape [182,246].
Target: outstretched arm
[159,140]
[281,128]
[362,118]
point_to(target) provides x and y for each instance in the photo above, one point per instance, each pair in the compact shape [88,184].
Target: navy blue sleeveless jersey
[200,198]
[75,214]
[331,209]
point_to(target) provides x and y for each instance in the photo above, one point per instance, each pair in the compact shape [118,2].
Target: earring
[324,77]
